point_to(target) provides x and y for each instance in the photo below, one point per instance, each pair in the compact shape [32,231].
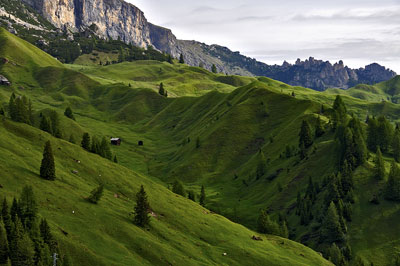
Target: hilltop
[180,232]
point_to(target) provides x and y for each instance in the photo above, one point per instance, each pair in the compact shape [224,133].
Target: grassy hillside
[181,232]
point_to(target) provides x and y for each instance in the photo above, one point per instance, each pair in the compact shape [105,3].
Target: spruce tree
[47,168]
[21,246]
[3,245]
[68,113]
[142,208]
[335,255]
[191,195]
[178,188]
[266,226]
[214,69]
[385,133]
[46,235]
[5,215]
[331,230]
[96,194]
[392,188]
[105,150]
[161,90]
[261,166]
[319,128]
[340,110]
[396,145]
[2,111]
[28,207]
[14,210]
[305,135]
[85,143]
[45,124]
[181,59]
[12,108]
[372,134]
[169,59]
[379,170]
[202,196]
[115,159]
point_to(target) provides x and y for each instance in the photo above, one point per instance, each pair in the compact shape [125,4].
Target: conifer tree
[85,143]
[21,246]
[45,124]
[105,150]
[169,59]
[197,142]
[12,108]
[115,159]
[96,194]
[95,148]
[340,110]
[336,255]
[5,215]
[2,111]
[178,188]
[385,132]
[47,168]
[379,170]
[161,90]
[45,233]
[261,166]
[331,230]
[68,113]
[372,134]
[396,145]
[319,128]
[28,207]
[202,196]
[181,59]
[191,195]
[305,135]
[14,210]
[142,208]
[392,188]
[266,226]
[3,245]
[214,69]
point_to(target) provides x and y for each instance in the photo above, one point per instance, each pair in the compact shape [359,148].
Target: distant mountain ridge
[118,19]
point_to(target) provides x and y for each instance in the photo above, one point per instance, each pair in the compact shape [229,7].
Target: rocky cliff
[117,19]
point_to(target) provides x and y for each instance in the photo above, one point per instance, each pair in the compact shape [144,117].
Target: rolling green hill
[216,139]
[181,232]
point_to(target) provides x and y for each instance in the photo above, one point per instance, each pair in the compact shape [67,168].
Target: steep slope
[181,232]
[117,19]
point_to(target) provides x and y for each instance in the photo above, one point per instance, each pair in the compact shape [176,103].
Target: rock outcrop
[117,19]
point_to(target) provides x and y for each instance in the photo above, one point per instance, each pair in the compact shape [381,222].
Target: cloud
[254,18]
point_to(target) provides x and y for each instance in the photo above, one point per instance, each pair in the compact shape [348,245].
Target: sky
[359,32]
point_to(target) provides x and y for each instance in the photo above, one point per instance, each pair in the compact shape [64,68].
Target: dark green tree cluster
[51,123]
[162,91]
[23,239]
[214,69]
[142,209]
[319,128]
[304,205]
[69,113]
[47,167]
[20,109]
[339,116]
[380,133]
[202,200]
[101,148]
[181,59]
[392,187]
[177,188]
[306,138]
[266,225]
[261,165]
[96,194]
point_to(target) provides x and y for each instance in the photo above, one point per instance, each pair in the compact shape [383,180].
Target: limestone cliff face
[113,18]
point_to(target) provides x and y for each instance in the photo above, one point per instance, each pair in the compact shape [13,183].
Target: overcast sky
[357,31]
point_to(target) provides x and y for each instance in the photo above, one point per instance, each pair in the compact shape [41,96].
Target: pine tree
[202,196]
[55,124]
[379,170]
[47,168]
[385,133]
[5,215]
[169,59]
[46,235]
[191,195]
[161,90]
[181,59]
[178,188]
[14,210]
[372,134]
[197,142]
[214,69]
[115,159]
[331,230]
[2,111]
[305,135]
[266,226]
[392,188]
[68,113]
[105,150]
[45,124]
[95,148]
[319,128]
[3,245]
[86,141]
[12,108]
[396,145]
[28,206]
[142,208]
[335,255]
[21,246]
[261,166]
[96,194]
[340,110]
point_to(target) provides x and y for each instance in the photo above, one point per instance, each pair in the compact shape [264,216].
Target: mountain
[118,20]
[181,232]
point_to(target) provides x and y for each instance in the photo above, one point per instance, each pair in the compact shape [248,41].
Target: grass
[182,232]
